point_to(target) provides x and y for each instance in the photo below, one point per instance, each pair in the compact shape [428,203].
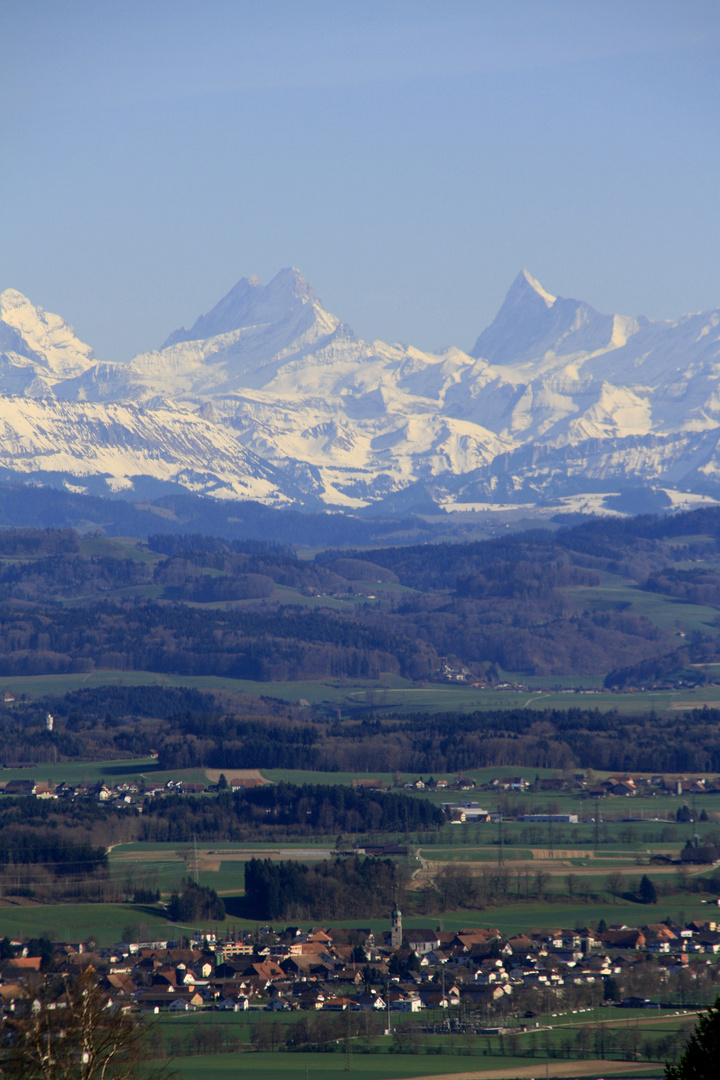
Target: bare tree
[456,887]
[614,882]
[542,880]
[70,1029]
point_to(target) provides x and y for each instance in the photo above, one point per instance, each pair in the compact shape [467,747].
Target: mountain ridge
[248,303]
[312,415]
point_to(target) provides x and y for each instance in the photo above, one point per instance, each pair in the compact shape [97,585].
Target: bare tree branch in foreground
[69,1029]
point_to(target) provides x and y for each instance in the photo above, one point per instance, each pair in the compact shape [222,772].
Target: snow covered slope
[37,349]
[269,396]
[119,442]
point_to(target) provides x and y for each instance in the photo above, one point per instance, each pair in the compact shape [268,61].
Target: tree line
[190,729]
[22,846]
[585,738]
[299,809]
[348,888]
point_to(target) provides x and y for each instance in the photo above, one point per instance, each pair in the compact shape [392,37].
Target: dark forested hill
[633,603]
[603,597]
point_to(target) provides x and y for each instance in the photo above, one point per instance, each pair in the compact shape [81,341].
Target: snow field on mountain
[268,396]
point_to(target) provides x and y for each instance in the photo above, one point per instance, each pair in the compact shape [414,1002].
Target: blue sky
[409,158]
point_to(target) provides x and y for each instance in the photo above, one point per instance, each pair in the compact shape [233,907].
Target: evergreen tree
[195,902]
[646,892]
[699,1060]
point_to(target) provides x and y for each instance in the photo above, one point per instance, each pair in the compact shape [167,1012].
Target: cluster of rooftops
[626,785]
[348,969]
[122,794]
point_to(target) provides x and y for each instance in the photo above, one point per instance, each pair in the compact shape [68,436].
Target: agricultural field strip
[548,865]
[432,856]
[669,1018]
[228,854]
[381,694]
[558,1069]
[380,1066]
[437,857]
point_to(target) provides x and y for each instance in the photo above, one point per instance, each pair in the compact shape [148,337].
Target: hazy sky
[408,157]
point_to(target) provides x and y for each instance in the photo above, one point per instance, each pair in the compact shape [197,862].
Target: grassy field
[392,693]
[663,611]
[112,772]
[275,1066]
[103,922]
[559,1045]
[123,547]
[269,1066]
[35,686]
[168,875]
[106,923]
[518,918]
[221,866]
[289,595]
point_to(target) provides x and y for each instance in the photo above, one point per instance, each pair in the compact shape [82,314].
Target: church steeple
[396,933]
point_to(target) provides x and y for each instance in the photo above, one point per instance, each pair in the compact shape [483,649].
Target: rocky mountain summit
[268,396]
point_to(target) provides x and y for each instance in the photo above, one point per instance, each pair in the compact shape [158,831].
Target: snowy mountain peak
[250,303]
[292,283]
[268,396]
[10,300]
[525,281]
[532,323]
[31,332]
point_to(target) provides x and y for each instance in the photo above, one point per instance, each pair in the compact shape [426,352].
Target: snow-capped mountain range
[270,397]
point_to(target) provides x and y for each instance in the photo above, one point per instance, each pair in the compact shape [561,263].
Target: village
[476,977]
[583,785]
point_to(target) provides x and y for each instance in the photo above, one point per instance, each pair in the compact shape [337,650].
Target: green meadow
[444,1061]
[277,1066]
[664,611]
[112,772]
[392,693]
[104,923]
